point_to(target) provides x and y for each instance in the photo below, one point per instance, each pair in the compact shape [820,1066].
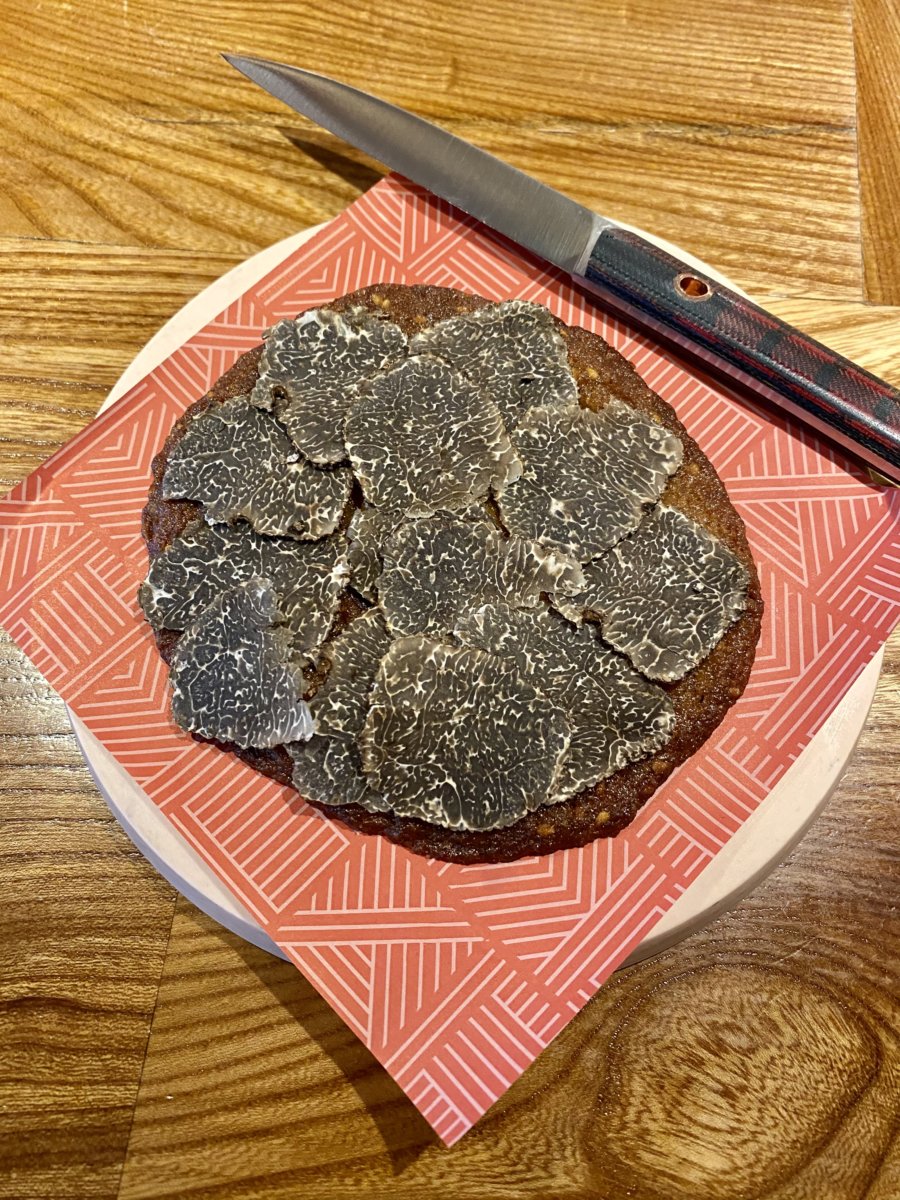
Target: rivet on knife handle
[863,412]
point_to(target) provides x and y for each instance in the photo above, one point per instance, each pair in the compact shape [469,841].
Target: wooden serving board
[762,842]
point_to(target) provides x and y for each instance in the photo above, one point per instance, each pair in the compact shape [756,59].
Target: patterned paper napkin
[455,977]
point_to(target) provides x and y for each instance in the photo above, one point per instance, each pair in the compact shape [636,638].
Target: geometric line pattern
[455,977]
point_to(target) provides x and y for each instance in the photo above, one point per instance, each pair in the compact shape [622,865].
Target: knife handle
[842,400]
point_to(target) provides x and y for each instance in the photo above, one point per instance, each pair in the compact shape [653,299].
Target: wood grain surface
[143,1051]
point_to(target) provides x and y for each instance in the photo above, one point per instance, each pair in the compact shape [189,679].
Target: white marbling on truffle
[436,568]
[513,351]
[423,439]
[232,676]
[666,594]
[615,715]
[457,737]
[237,461]
[587,476]
[310,368]
[205,560]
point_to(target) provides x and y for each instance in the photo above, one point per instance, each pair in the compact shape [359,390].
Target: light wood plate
[758,846]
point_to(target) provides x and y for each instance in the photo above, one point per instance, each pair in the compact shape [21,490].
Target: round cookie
[701,699]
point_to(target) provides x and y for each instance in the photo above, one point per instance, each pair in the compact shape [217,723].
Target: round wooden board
[762,842]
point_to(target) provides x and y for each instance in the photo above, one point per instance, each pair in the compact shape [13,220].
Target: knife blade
[726,330]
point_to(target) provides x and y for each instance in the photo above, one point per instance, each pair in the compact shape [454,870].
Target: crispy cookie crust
[701,699]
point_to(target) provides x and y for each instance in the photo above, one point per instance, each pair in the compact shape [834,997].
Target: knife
[728,331]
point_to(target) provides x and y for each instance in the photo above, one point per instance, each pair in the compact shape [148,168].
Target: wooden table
[144,1052]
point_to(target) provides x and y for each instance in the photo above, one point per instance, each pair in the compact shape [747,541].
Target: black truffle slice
[237,461]
[615,715]
[327,768]
[587,476]
[666,594]
[340,704]
[422,438]
[437,568]
[513,352]
[310,366]
[367,532]
[329,771]
[232,676]
[205,560]
[457,737]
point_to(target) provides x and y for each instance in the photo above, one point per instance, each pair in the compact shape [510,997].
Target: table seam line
[137,1090]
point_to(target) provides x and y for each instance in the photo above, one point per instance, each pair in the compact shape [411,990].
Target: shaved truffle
[231,674]
[437,568]
[205,560]
[310,367]
[367,532]
[237,461]
[457,737]
[370,528]
[615,715]
[328,768]
[329,771]
[512,351]
[340,704]
[587,476]
[666,595]
[422,438]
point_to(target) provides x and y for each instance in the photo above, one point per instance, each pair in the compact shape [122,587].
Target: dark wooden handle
[858,409]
